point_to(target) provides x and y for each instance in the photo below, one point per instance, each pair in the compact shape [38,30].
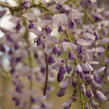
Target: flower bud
[64,83]
[87,106]
[61,72]
[26,4]
[61,92]
[67,104]
[86,67]
[89,93]
[100,96]
[83,89]
[68,68]
[51,60]
[55,50]
[96,85]
[71,55]
[2,48]
[94,104]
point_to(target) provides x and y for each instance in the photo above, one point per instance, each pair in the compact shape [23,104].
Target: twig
[46,79]
[81,95]
[20,7]
[29,57]
[6,5]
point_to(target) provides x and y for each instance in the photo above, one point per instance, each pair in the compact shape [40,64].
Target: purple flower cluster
[64,42]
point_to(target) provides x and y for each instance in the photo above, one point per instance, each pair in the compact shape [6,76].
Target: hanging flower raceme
[56,41]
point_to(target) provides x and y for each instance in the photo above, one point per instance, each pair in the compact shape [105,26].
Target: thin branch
[6,5]
[46,79]
[26,34]
[68,36]
[81,95]
[43,7]
[16,8]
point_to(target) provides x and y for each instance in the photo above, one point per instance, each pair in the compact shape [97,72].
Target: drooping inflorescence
[61,41]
